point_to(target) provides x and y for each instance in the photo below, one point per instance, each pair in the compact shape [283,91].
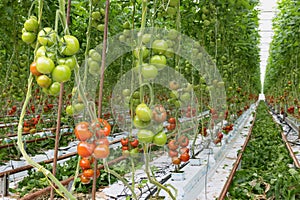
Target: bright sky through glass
[267,8]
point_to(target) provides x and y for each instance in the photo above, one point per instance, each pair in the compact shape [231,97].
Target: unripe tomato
[145,136]
[69,61]
[159,46]
[31,24]
[176,160]
[44,65]
[143,112]
[159,61]
[160,139]
[139,123]
[47,36]
[54,89]
[28,37]
[70,45]
[61,73]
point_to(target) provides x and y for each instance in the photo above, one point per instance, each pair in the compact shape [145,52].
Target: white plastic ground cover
[217,178]
[195,176]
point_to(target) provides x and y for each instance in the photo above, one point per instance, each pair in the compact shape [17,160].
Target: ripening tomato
[184,150]
[173,153]
[102,128]
[159,114]
[82,131]
[183,141]
[101,151]
[34,70]
[43,81]
[85,149]
[102,141]
[176,160]
[173,145]
[85,180]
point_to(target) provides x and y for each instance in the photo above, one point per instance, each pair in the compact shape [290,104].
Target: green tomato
[159,46]
[185,97]
[43,81]
[31,24]
[54,89]
[146,38]
[139,123]
[160,61]
[69,61]
[160,139]
[28,37]
[174,3]
[41,51]
[171,11]
[143,112]
[47,36]
[45,90]
[69,110]
[149,71]
[136,95]
[144,54]
[174,94]
[96,15]
[94,67]
[126,25]
[145,136]
[101,27]
[95,55]
[126,92]
[61,73]
[70,45]
[172,34]
[169,53]
[134,153]
[78,107]
[44,65]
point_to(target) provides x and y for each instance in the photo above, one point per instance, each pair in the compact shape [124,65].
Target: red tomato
[171,127]
[172,120]
[124,141]
[82,131]
[134,143]
[184,150]
[85,163]
[124,148]
[89,173]
[101,151]
[184,157]
[172,145]
[85,149]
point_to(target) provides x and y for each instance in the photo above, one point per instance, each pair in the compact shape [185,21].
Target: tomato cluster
[172,124]
[30,30]
[228,128]
[13,110]
[54,59]
[86,165]
[30,125]
[178,149]
[130,147]
[92,137]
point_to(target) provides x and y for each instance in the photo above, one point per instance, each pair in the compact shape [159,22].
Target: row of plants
[282,84]
[266,171]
